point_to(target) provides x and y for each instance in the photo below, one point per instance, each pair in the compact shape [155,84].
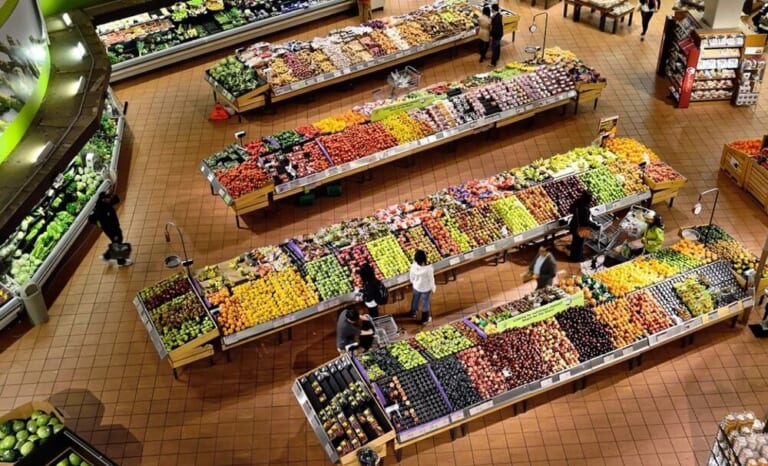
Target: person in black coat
[497,32]
[543,268]
[370,290]
[105,217]
[647,9]
[581,217]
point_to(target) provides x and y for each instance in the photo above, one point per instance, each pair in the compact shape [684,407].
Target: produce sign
[71,195]
[544,312]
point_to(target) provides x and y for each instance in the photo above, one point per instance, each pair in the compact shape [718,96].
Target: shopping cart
[385,330]
[403,81]
[613,239]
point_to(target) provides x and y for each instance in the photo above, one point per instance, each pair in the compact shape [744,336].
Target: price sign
[202,168]
[480,408]
[210,177]
[608,358]
[297,391]
[469,255]
[490,248]
[222,193]
[565,376]
[432,139]
[457,417]
[714,314]
[546,383]
[454,261]
[289,319]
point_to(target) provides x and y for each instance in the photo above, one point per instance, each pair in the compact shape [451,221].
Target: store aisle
[95,360]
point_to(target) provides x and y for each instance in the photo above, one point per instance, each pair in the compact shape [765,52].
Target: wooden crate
[253,201]
[589,91]
[735,163]
[670,184]
[196,354]
[664,195]
[756,182]
[26,410]
[191,347]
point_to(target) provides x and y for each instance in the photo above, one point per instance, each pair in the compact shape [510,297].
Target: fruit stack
[415,238]
[19,437]
[456,382]
[539,204]
[660,175]
[330,278]
[694,294]
[631,150]
[563,192]
[514,214]
[389,256]
[443,341]
[603,185]
[181,320]
[418,398]
[589,336]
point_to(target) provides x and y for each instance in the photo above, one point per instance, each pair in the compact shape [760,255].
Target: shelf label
[714,314]
[210,177]
[598,209]
[331,452]
[480,408]
[222,193]
[565,376]
[490,248]
[202,168]
[469,255]
[297,391]
[546,383]
[518,239]
[454,261]
[456,417]
[608,358]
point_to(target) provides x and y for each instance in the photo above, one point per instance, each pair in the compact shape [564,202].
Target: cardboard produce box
[25,411]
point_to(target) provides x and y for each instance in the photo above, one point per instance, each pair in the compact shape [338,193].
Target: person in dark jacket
[581,217]
[543,268]
[497,32]
[647,9]
[370,291]
[105,217]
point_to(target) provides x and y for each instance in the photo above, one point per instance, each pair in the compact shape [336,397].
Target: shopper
[349,330]
[373,292]
[647,9]
[105,217]
[543,268]
[484,31]
[653,238]
[364,10]
[580,225]
[423,281]
[496,33]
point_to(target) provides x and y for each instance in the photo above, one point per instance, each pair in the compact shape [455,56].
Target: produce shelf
[113,111]
[444,265]
[228,38]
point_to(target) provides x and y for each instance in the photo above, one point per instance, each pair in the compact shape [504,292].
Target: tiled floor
[94,358]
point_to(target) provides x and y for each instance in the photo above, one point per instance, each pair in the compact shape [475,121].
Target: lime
[75,460]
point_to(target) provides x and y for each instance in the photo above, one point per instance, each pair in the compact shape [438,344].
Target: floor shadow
[83,413]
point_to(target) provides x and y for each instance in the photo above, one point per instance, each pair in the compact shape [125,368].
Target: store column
[721,14]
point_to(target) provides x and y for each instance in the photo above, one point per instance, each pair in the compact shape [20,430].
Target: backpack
[383,295]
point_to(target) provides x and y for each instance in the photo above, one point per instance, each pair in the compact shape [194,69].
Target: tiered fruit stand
[464,370]
[481,219]
[295,161]
[264,74]
[45,236]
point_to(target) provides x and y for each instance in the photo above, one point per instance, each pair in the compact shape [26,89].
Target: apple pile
[659,172]
[443,341]
[539,204]
[181,320]
[370,138]
[481,224]
[563,192]
[629,174]
[245,178]
[514,214]
[389,257]
[442,237]
[456,383]
[164,291]
[467,332]
[406,354]
[416,238]
[330,278]
[648,312]
[603,185]
[353,258]
[517,356]
[488,381]
[380,362]
[624,326]
[589,336]
[558,352]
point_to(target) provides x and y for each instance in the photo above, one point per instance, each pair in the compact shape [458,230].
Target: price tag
[598,209]
[210,177]
[608,358]
[480,408]
[456,417]
[565,376]
[288,319]
[469,255]
[432,139]
[222,193]
[490,248]
[546,383]
[337,73]
[627,351]
[454,261]
[518,239]
[714,314]
[202,168]
[330,452]
[734,307]
[747,303]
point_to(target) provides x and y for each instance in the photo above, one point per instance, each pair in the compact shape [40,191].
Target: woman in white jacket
[423,281]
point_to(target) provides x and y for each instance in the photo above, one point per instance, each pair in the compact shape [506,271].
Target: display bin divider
[474,327]
[440,389]
[379,393]
[361,370]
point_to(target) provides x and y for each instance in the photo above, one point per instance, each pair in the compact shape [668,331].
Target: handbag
[584,232]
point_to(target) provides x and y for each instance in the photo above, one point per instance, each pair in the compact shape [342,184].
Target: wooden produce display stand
[343,373]
[606,11]
[193,350]
[588,92]
[665,191]
[756,182]
[497,250]
[735,164]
